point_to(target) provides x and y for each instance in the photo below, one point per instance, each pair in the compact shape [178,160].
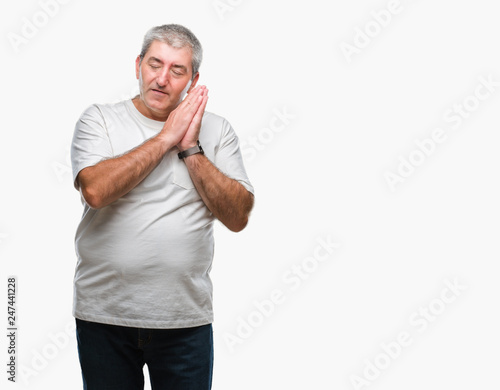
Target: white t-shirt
[144,260]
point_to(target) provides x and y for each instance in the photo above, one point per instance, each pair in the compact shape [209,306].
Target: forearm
[226,198]
[111,179]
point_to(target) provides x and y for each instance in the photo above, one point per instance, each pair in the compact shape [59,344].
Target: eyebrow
[155,59]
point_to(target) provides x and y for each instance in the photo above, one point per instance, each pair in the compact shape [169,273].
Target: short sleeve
[91,143]
[228,158]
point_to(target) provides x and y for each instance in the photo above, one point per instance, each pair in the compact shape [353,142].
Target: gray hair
[176,36]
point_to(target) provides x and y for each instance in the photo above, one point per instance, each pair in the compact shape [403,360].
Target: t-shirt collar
[157,125]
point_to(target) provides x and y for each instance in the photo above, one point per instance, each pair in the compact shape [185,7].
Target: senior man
[154,172]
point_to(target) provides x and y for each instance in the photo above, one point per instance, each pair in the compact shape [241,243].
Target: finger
[193,105]
[191,102]
[188,99]
[201,109]
[197,88]
[203,105]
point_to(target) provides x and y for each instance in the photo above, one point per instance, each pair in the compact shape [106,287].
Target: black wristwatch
[191,151]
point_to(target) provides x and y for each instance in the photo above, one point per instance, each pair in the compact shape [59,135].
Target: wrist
[196,149]
[187,145]
[165,141]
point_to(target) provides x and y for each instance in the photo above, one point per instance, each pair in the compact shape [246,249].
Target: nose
[162,79]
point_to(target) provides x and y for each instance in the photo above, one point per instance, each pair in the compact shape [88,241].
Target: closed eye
[179,70]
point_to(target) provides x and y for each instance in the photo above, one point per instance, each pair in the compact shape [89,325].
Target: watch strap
[189,152]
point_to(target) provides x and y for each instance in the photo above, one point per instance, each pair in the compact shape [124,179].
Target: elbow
[88,190]
[91,198]
[238,226]
[240,223]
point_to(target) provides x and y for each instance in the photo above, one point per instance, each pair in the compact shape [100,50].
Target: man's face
[164,78]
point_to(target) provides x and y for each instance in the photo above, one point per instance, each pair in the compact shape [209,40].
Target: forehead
[168,54]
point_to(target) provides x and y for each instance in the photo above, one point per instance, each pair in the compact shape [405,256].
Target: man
[154,172]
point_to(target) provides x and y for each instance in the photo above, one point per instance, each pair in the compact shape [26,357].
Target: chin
[157,105]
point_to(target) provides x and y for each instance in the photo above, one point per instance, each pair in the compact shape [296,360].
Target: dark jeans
[113,357]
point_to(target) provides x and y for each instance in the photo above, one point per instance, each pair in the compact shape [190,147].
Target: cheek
[145,77]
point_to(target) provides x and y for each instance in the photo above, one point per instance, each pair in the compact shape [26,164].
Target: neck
[147,112]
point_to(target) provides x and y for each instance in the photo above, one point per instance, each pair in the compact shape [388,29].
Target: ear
[195,80]
[137,66]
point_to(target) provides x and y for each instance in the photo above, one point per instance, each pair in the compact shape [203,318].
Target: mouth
[157,91]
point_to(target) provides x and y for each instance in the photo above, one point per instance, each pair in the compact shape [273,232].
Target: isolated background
[321,176]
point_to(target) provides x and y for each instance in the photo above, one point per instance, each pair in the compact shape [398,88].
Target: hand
[180,119]
[193,132]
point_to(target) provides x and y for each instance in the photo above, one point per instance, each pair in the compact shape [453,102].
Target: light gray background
[321,177]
